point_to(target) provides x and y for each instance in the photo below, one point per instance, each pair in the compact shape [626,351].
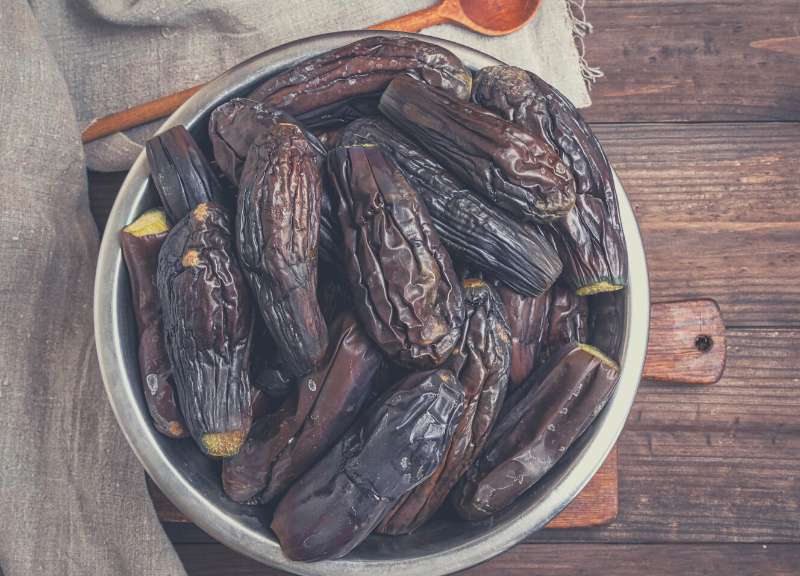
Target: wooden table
[700,114]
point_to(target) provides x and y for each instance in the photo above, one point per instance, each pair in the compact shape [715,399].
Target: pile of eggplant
[392,293]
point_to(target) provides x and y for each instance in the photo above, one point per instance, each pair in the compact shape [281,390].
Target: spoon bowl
[488,17]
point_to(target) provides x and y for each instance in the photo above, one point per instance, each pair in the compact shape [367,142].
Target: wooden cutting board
[686,345]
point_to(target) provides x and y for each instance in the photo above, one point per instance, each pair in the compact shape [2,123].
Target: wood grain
[598,503]
[713,463]
[686,343]
[717,207]
[564,560]
[698,61]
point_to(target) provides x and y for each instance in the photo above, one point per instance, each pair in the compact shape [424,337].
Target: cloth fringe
[581,27]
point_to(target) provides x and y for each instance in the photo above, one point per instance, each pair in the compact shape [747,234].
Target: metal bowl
[192,482]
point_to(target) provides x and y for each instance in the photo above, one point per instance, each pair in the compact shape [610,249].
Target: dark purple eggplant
[285,444]
[277,234]
[208,325]
[405,290]
[397,446]
[590,238]
[538,424]
[528,318]
[141,242]
[336,87]
[481,364]
[508,165]
[474,231]
[181,174]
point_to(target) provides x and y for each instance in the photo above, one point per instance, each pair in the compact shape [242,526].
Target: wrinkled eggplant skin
[398,445]
[285,444]
[473,230]
[208,324]
[481,364]
[141,258]
[568,318]
[181,173]
[277,231]
[590,237]
[510,166]
[538,424]
[606,323]
[338,86]
[404,288]
[235,125]
[527,317]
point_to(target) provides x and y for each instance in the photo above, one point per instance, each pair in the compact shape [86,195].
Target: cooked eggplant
[510,166]
[538,424]
[589,237]
[474,231]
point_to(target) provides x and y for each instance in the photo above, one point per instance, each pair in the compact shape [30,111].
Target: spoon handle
[415,21]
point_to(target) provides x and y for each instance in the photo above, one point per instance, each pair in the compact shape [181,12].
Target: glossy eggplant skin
[235,125]
[508,165]
[181,173]
[606,325]
[141,242]
[232,129]
[481,364]
[568,320]
[404,288]
[398,445]
[277,233]
[590,238]
[473,230]
[285,444]
[341,85]
[208,325]
[528,320]
[538,424]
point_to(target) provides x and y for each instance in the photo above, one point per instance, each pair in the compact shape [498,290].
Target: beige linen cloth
[72,495]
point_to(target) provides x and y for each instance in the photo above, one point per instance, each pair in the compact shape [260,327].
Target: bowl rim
[111,280]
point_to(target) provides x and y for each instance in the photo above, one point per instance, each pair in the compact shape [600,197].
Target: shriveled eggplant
[398,445]
[473,230]
[208,324]
[235,125]
[590,237]
[405,290]
[538,424]
[510,166]
[528,319]
[141,242]
[181,173]
[277,233]
[285,444]
[481,364]
[336,87]
[568,318]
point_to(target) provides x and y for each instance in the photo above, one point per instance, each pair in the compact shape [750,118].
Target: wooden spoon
[489,17]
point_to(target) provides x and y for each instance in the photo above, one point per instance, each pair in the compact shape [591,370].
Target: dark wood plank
[668,61]
[717,206]
[713,463]
[565,560]
[686,343]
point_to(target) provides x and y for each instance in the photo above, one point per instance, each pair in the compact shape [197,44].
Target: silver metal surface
[192,482]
